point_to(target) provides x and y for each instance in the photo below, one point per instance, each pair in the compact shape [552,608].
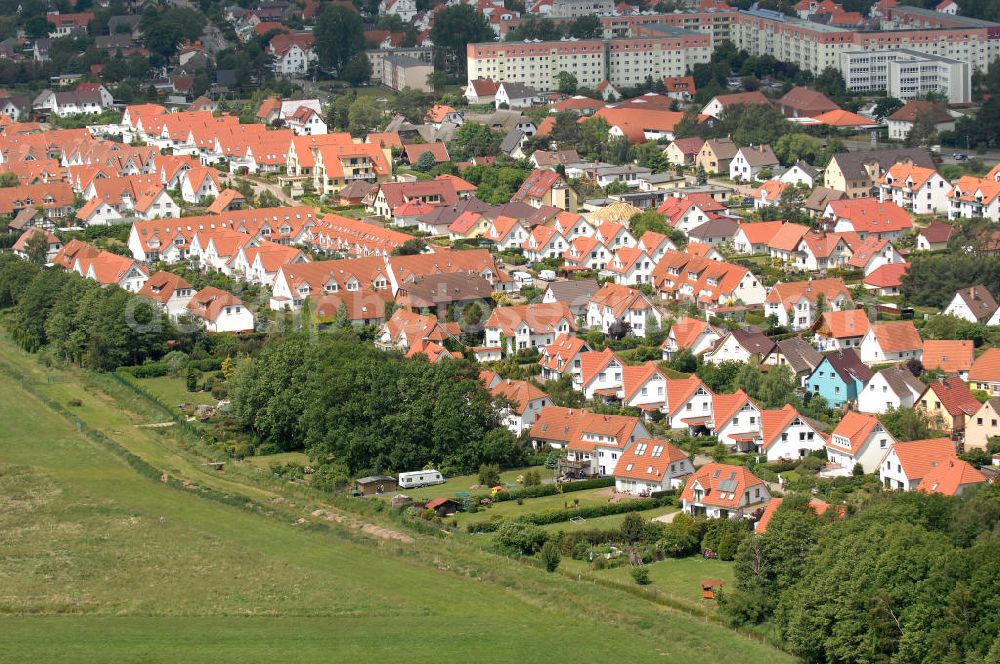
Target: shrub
[551,556]
[532,478]
[489,474]
[520,537]
[633,527]
[640,575]
[584,485]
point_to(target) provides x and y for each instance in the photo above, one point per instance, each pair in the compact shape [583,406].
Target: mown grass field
[172,390]
[103,564]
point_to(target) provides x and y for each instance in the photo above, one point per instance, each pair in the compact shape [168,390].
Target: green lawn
[470,484]
[679,577]
[281,458]
[172,390]
[604,522]
[510,508]
[102,564]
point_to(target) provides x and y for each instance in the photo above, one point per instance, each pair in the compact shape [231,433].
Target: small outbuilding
[375,485]
[444,506]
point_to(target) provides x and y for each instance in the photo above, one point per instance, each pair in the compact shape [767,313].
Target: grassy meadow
[104,564]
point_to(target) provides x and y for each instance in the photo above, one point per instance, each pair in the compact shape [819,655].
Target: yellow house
[716,154]
[983,425]
[683,151]
[949,404]
[858,173]
[467,226]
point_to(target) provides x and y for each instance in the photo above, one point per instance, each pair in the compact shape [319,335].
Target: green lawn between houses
[103,564]
[172,391]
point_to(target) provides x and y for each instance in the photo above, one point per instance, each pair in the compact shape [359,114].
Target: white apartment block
[622,62]
[816,46]
[906,74]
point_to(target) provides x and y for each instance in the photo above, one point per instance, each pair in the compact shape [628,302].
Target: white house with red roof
[506,233]
[54,244]
[221,311]
[796,303]
[976,197]
[572,226]
[597,442]
[293,53]
[526,403]
[906,463]
[655,245]
[692,334]
[918,189]
[170,291]
[306,121]
[953,477]
[616,303]
[586,253]
[688,212]
[520,327]
[873,253]
[98,212]
[689,404]
[857,440]
[631,266]
[897,341]
[651,465]
[722,491]
[736,420]
[543,242]
[868,216]
[197,184]
[785,434]
[614,236]
[600,375]
[563,356]
[644,386]
[822,251]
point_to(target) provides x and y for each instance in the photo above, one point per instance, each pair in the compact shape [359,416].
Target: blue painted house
[840,377]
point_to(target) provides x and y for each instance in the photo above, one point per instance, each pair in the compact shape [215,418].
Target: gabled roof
[918,457]
[540,318]
[818,506]
[209,302]
[801,356]
[947,355]
[948,477]
[807,102]
[979,301]
[564,348]
[520,392]
[635,376]
[842,324]
[854,426]
[889,275]
[986,368]
[615,429]
[591,364]
[774,422]
[161,286]
[937,232]
[724,406]
[870,215]
[792,292]
[414,151]
[680,390]
[689,146]
[686,330]
[902,382]
[918,109]
[955,396]
[759,155]
[896,336]
[649,459]
[722,485]
[841,118]
[848,365]
[537,184]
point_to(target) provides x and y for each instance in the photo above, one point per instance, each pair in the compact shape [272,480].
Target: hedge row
[590,512]
[551,489]
[157,369]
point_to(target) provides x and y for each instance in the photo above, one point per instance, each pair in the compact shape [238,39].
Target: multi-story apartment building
[716,22]
[816,46]
[906,74]
[575,8]
[667,51]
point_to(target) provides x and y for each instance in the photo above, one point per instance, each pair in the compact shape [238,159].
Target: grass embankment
[104,564]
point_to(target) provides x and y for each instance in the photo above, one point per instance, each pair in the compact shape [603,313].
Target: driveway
[259,186]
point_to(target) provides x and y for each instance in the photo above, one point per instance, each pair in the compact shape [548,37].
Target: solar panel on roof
[727,485]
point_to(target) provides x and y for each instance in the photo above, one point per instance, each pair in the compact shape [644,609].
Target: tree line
[369,411]
[932,280]
[78,321]
[907,577]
